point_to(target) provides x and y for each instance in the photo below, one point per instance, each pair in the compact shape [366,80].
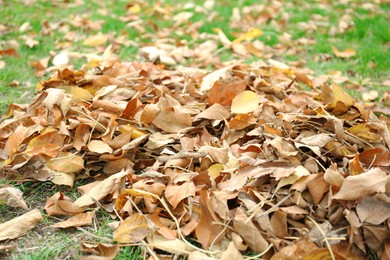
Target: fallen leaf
[249,232]
[96,40]
[209,80]
[245,102]
[12,196]
[372,210]
[173,246]
[347,53]
[133,229]
[253,33]
[231,253]
[66,162]
[98,146]
[79,220]
[375,157]
[100,250]
[176,193]
[358,186]
[19,226]
[59,204]
[101,189]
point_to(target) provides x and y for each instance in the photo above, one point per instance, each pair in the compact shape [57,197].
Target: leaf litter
[173,167]
[209,164]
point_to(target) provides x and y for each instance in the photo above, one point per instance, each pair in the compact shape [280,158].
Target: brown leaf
[100,249]
[176,193]
[249,232]
[279,223]
[358,186]
[12,197]
[214,112]
[223,92]
[20,225]
[337,99]
[133,229]
[375,156]
[15,139]
[46,144]
[79,220]
[372,210]
[206,231]
[59,204]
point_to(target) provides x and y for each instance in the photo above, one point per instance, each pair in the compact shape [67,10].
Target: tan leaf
[98,146]
[219,155]
[20,225]
[209,80]
[249,232]
[133,229]
[12,197]
[333,176]
[173,246]
[172,120]
[176,193]
[66,162]
[372,210]
[101,189]
[79,220]
[245,102]
[231,253]
[206,231]
[279,223]
[81,136]
[358,186]
[59,204]
[214,112]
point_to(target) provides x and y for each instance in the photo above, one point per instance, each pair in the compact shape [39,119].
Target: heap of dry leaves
[239,161]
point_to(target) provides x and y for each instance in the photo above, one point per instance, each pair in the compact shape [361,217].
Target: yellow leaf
[253,33]
[363,131]
[337,99]
[245,102]
[215,170]
[96,40]
[79,94]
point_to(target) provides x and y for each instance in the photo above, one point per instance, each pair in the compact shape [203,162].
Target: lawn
[347,42]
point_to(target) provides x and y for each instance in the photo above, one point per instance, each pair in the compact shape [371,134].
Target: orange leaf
[375,157]
[347,53]
[79,220]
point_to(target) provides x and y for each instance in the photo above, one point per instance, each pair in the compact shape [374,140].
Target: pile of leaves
[239,162]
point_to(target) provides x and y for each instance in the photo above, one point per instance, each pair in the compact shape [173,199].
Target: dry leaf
[101,189]
[19,226]
[12,196]
[133,229]
[59,204]
[100,147]
[249,232]
[245,102]
[347,53]
[79,220]
[66,162]
[96,40]
[176,193]
[100,250]
[358,186]
[372,210]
